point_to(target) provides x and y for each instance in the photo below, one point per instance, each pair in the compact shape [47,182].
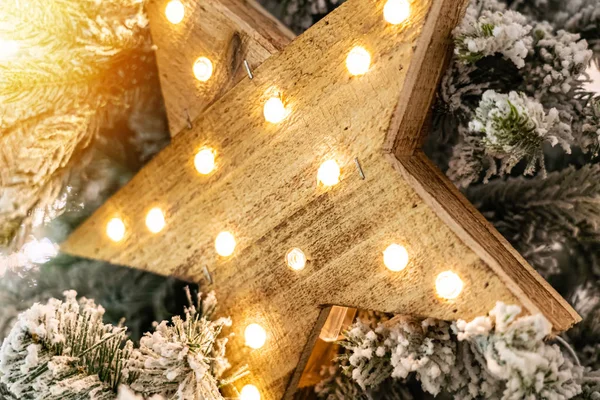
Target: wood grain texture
[265,192]
[226,32]
[464,219]
[432,54]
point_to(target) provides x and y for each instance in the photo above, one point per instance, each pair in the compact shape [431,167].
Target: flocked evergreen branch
[487,30]
[588,134]
[506,129]
[555,62]
[543,218]
[68,68]
[337,385]
[583,17]
[63,350]
[505,51]
[185,357]
[500,356]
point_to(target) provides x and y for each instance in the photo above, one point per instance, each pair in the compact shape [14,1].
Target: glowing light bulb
[225,244]
[448,285]
[203,69]
[155,220]
[115,229]
[175,11]
[8,49]
[396,11]
[249,392]
[255,336]
[395,257]
[205,161]
[329,173]
[358,61]
[274,110]
[296,259]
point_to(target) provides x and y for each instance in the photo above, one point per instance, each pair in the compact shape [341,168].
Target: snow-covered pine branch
[499,356]
[63,350]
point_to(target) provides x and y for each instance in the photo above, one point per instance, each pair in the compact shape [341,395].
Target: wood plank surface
[265,192]
[226,32]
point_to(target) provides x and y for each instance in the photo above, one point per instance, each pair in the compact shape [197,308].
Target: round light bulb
[396,11]
[296,259]
[205,161]
[225,244]
[115,229]
[274,110]
[395,257]
[175,11]
[255,336]
[329,173]
[448,285]
[249,392]
[155,220]
[358,61]
[203,69]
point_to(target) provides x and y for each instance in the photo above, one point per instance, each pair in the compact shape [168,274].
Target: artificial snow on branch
[514,84]
[63,350]
[508,128]
[499,356]
[491,31]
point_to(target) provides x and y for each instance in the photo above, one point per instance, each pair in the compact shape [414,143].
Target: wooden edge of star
[264,190]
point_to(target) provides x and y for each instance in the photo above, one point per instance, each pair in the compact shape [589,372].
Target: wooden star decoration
[264,189]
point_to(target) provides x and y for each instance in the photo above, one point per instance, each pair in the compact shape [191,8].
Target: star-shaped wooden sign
[389,233]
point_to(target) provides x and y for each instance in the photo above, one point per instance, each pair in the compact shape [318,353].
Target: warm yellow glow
[274,110]
[396,11]
[335,323]
[448,285]
[8,49]
[296,259]
[329,173]
[205,161]
[395,257]
[249,392]
[255,336]
[115,229]
[225,244]
[203,69]
[358,61]
[155,220]
[175,11]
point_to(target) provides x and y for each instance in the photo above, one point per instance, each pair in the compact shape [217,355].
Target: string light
[329,173]
[204,161]
[395,257]
[396,11]
[225,244]
[255,336]
[358,61]
[249,392]
[175,11]
[203,69]
[296,259]
[155,220]
[274,110]
[448,285]
[115,229]
[8,49]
